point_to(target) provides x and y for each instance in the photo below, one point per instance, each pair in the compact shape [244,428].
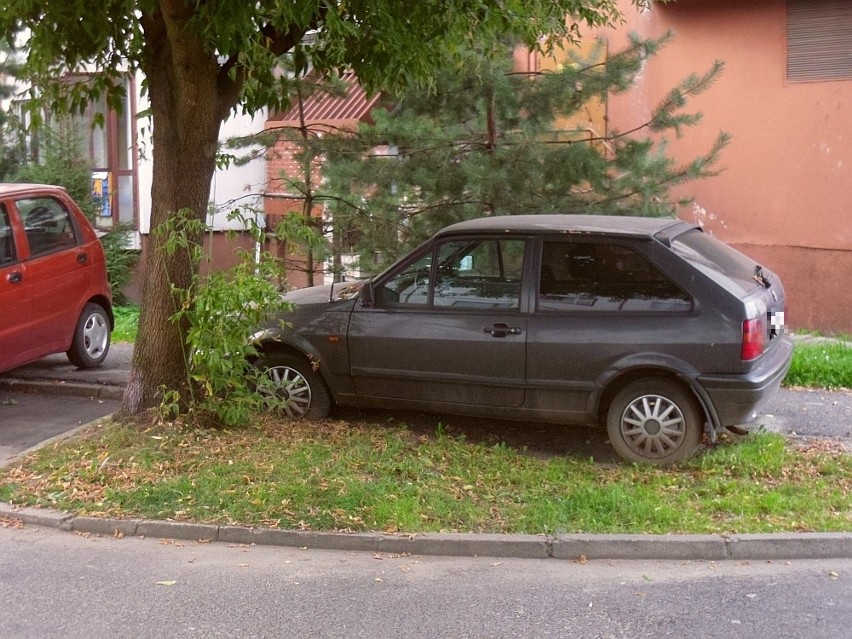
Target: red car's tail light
[754,339]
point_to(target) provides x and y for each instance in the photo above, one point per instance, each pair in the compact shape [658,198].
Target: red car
[54,293]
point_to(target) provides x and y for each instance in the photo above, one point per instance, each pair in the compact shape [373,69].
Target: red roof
[354,106]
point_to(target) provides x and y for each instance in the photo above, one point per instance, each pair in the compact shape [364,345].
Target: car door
[15,312]
[599,304]
[445,327]
[59,270]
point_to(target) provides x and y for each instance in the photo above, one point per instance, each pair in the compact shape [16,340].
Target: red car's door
[60,271]
[15,290]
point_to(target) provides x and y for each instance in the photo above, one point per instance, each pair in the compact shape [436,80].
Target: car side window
[461,274]
[47,224]
[7,241]
[408,286]
[585,276]
[479,274]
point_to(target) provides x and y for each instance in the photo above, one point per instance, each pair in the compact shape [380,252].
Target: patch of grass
[816,365]
[338,476]
[126,323]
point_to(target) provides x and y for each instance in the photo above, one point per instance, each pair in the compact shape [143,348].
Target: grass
[342,476]
[362,476]
[817,365]
[126,323]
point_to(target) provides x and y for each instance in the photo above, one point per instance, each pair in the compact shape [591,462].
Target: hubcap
[95,335]
[292,388]
[653,426]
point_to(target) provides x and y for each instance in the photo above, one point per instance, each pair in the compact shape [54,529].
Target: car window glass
[579,276]
[47,224]
[7,242]
[408,286]
[479,274]
[466,274]
[707,253]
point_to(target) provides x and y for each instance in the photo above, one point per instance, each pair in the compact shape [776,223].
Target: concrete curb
[56,387]
[573,547]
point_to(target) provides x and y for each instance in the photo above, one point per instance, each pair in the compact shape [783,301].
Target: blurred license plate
[776,323]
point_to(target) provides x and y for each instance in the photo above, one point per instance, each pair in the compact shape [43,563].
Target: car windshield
[711,256]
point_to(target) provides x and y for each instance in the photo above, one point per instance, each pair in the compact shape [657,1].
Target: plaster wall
[784,192]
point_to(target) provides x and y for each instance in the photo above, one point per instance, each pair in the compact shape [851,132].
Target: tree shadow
[540,440]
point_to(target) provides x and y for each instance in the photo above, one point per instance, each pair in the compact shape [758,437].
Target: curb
[572,547]
[55,387]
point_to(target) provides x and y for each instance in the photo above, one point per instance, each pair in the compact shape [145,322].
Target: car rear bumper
[736,399]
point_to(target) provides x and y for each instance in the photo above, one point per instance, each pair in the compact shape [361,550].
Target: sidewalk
[55,375]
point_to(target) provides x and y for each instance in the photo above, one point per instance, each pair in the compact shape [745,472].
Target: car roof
[624,225]
[11,188]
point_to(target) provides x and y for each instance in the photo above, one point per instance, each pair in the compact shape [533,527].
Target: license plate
[776,323]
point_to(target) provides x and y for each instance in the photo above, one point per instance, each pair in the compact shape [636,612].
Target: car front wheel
[90,345]
[294,382]
[654,421]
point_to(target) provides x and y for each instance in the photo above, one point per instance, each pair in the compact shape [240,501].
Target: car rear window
[713,257]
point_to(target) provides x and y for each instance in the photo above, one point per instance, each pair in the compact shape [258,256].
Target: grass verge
[336,476]
[126,323]
[827,365]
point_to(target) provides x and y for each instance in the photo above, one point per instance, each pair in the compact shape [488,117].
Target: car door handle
[82,258]
[501,329]
[16,278]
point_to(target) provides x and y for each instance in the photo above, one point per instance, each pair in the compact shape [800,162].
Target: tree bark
[182,76]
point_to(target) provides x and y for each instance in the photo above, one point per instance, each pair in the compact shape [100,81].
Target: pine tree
[489,141]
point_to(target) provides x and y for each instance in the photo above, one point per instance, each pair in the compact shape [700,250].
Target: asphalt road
[54,584]
[27,419]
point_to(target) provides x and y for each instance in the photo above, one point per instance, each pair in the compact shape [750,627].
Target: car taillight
[754,339]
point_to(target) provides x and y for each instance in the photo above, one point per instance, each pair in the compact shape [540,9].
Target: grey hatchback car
[649,326]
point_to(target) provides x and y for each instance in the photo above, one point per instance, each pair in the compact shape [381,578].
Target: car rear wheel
[654,421]
[90,345]
[293,380]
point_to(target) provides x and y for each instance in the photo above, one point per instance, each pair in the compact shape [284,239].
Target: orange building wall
[784,194]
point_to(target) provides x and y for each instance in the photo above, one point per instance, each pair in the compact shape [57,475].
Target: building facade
[785,96]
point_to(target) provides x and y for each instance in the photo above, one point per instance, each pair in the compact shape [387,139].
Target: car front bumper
[736,399]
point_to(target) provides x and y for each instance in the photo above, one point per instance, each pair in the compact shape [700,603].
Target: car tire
[654,421]
[294,379]
[90,344]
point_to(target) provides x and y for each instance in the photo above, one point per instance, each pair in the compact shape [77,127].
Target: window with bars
[819,40]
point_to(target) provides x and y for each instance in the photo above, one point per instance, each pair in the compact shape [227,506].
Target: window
[106,137]
[579,276]
[819,40]
[479,274]
[7,242]
[461,274]
[47,224]
[715,258]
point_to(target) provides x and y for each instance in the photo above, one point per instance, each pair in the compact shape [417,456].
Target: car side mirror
[366,294]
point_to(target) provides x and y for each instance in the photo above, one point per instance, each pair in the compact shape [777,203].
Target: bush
[120,262]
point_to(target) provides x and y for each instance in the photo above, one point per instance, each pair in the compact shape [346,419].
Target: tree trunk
[186,116]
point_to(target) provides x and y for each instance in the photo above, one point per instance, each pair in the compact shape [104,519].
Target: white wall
[236,187]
